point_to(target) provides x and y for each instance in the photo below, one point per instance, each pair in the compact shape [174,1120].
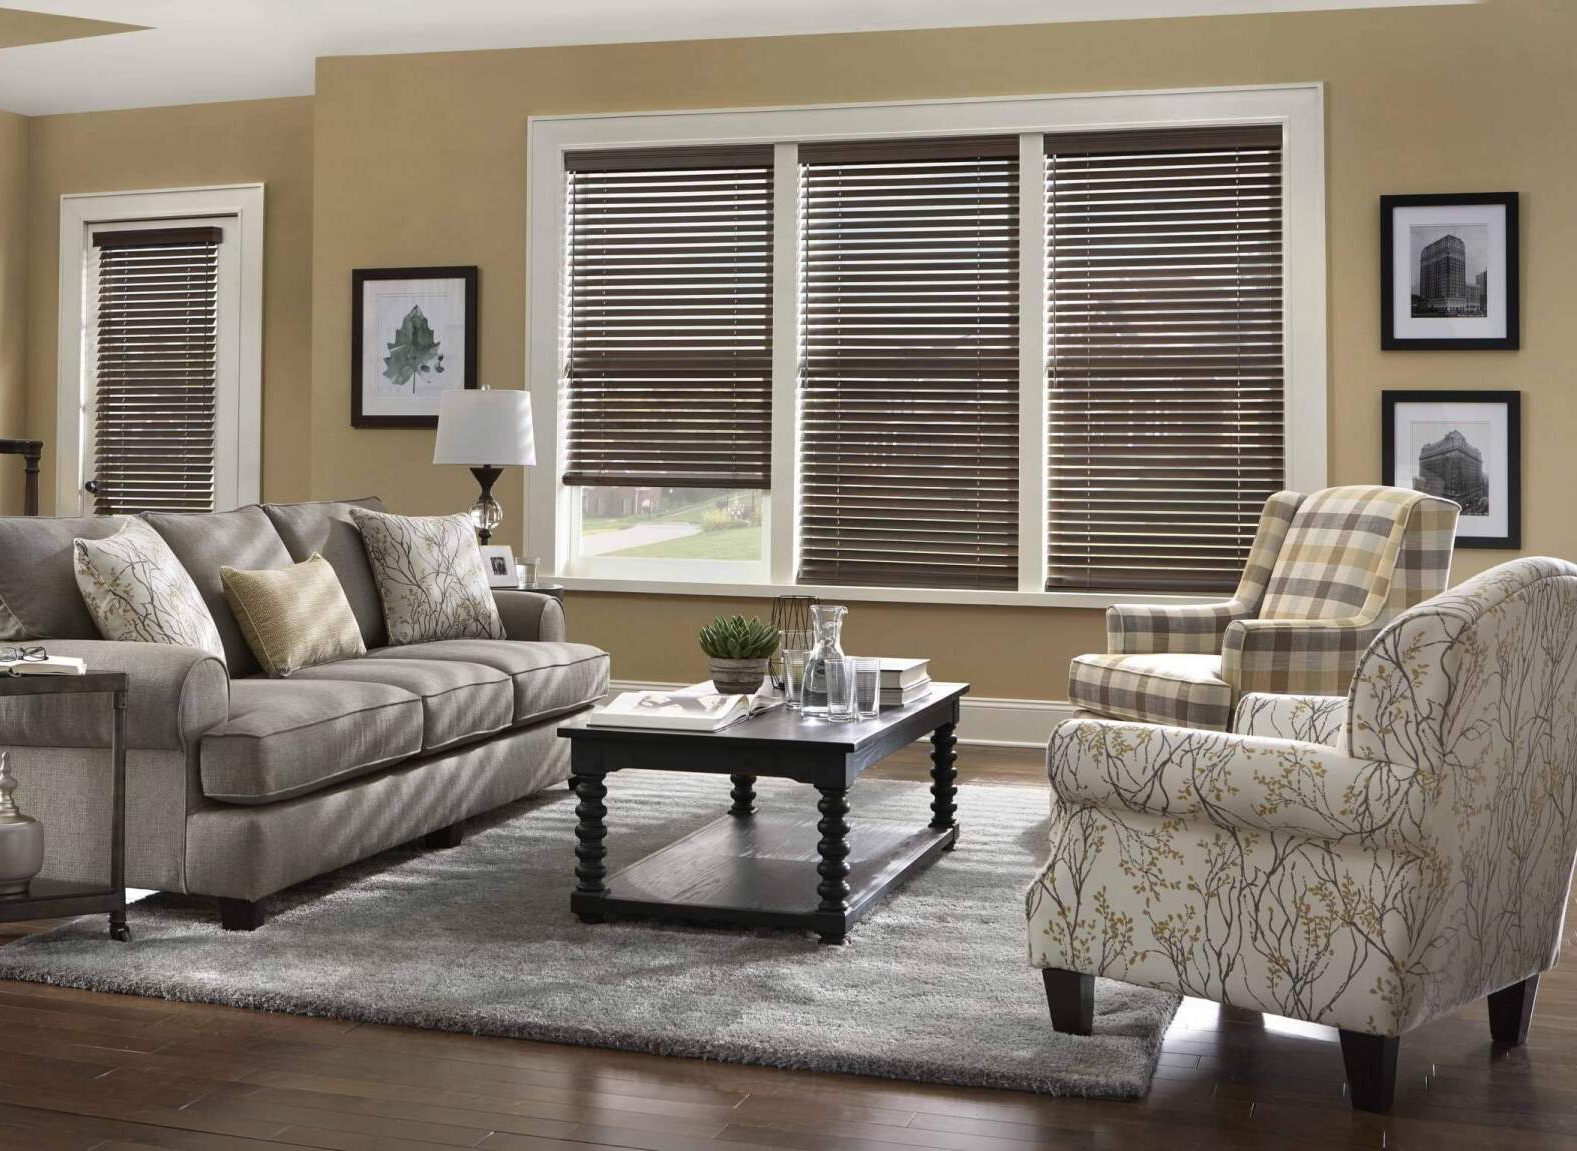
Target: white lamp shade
[483,427]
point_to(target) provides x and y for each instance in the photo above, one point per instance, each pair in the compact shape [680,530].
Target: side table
[56,898]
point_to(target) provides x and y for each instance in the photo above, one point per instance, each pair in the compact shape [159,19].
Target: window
[908,447]
[154,367]
[1035,349]
[1164,352]
[160,351]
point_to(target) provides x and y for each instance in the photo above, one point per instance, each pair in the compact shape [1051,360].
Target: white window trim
[238,478]
[1298,108]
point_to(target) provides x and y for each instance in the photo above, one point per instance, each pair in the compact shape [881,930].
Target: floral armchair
[1325,573]
[1366,863]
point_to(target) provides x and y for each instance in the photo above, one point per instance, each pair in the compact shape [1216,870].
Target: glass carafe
[826,624]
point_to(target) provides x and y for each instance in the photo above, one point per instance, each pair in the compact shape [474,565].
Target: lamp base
[486,515]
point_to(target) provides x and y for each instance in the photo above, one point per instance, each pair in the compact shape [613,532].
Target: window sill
[1050,599]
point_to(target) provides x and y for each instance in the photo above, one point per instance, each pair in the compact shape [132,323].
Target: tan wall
[421,159]
[13,302]
[242,142]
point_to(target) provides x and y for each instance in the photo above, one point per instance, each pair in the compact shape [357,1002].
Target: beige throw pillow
[430,577]
[293,617]
[137,591]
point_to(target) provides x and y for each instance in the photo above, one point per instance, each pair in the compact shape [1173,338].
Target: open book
[699,707]
[52,665]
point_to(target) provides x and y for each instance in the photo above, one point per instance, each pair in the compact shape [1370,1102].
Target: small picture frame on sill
[1449,278]
[1465,446]
[500,564]
[412,338]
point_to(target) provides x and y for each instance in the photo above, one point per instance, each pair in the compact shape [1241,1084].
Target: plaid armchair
[1367,863]
[1325,574]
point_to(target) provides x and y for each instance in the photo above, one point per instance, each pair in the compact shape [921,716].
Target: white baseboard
[984,720]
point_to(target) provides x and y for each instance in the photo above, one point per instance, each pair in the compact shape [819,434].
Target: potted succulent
[738,650]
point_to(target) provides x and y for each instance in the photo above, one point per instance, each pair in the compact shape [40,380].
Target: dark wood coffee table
[765,868]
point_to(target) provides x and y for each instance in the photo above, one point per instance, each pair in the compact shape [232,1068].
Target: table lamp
[485,431]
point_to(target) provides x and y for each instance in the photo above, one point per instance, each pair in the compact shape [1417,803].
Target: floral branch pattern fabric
[1420,863]
[430,577]
[136,590]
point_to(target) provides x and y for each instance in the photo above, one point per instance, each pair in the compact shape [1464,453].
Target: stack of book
[904,681]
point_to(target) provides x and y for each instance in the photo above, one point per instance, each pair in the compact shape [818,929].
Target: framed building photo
[413,338]
[1465,446]
[1448,272]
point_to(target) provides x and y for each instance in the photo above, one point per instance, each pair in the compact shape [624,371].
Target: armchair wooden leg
[240,914]
[1071,997]
[1511,1010]
[1371,1069]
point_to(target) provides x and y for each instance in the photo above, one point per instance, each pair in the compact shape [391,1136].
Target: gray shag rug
[933,986]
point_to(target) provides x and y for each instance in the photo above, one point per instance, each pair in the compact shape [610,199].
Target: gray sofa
[239,786]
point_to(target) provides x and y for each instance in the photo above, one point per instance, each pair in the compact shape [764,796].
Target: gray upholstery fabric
[245,539]
[174,695]
[38,590]
[68,790]
[326,527]
[550,678]
[285,738]
[460,701]
[529,615]
[249,852]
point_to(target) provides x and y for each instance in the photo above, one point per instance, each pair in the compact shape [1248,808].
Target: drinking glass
[840,689]
[793,670]
[530,576]
[867,686]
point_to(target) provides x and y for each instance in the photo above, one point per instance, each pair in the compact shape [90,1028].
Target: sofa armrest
[529,615]
[1294,656]
[1309,718]
[174,695]
[1144,629]
[1239,782]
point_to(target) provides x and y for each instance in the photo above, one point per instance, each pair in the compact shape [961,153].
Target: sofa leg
[240,914]
[1071,997]
[1371,1069]
[1511,1010]
[444,837]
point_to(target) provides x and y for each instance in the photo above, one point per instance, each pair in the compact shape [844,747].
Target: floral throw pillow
[136,590]
[430,577]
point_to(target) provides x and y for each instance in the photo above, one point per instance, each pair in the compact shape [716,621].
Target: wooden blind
[909,364]
[1165,353]
[156,370]
[669,359]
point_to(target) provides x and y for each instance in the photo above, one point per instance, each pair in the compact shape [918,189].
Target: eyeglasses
[23,655]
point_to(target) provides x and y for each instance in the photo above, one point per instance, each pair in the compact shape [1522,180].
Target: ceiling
[192,51]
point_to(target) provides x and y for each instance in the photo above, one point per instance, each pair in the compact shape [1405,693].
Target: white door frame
[238,477]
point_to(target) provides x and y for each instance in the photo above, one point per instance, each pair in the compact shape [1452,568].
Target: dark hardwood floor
[80,1070]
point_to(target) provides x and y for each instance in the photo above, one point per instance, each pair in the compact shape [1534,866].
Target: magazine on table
[699,707]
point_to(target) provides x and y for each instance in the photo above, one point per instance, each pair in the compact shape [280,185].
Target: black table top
[780,726]
[93,681]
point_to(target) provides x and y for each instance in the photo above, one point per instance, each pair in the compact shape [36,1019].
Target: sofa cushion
[325,527]
[135,589]
[293,617]
[288,737]
[1169,688]
[206,541]
[38,586]
[549,678]
[430,577]
[460,701]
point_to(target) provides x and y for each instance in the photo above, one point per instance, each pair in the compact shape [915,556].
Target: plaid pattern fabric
[1179,689]
[1317,655]
[1198,629]
[1338,556]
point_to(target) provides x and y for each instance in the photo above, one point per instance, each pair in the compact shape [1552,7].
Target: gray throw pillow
[430,577]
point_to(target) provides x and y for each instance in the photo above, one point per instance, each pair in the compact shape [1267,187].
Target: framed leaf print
[413,338]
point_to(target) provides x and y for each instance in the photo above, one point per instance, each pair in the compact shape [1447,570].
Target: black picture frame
[1512,401]
[1390,339]
[359,278]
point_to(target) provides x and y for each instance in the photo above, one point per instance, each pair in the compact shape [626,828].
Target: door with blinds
[159,341]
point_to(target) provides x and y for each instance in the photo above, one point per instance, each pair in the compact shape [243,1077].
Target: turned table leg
[590,853]
[834,865]
[743,795]
[943,780]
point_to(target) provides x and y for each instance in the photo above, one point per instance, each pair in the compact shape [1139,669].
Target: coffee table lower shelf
[760,871]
